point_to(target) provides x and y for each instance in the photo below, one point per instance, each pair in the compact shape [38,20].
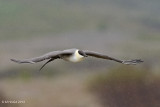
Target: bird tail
[132,62]
[22,61]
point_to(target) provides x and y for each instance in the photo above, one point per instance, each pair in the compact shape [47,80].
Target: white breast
[76,57]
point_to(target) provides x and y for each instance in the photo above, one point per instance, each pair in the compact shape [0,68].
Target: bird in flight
[73,55]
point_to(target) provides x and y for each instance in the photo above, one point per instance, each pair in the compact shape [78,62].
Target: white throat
[76,57]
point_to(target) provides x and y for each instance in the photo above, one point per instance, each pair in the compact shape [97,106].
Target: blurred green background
[124,29]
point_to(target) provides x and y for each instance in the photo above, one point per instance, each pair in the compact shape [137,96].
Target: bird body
[73,55]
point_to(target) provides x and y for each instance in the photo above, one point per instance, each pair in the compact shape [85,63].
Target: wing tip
[132,62]
[17,61]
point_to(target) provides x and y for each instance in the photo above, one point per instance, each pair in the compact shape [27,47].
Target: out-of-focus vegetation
[28,73]
[21,18]
[127,87]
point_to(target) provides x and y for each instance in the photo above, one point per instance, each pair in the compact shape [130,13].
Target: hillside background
[124,29]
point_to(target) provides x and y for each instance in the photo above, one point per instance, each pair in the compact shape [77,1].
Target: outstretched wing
[51,55]
[98,55]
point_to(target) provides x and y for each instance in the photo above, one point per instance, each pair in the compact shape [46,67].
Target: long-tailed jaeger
[73,55]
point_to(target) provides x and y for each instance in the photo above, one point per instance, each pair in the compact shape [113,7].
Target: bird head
[82,53]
